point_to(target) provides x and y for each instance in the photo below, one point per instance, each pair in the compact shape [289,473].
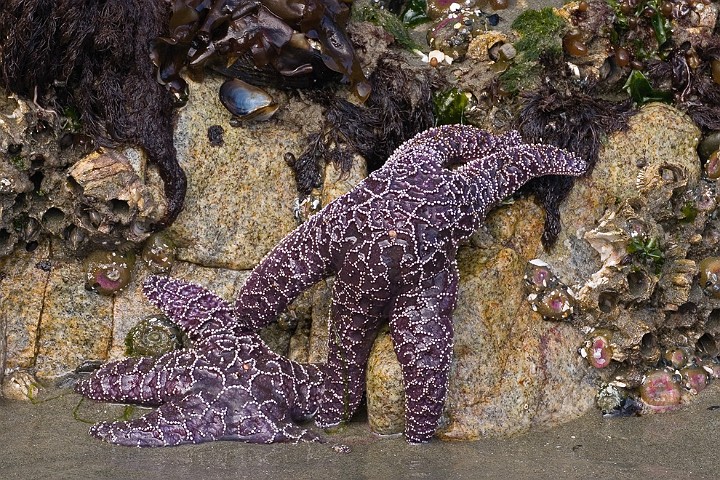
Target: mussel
[246,101]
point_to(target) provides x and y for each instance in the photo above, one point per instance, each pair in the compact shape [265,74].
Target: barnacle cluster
[90,62]
[294,43]
[53,184]
[651,314]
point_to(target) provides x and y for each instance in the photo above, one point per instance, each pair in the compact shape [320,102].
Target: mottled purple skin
[391,242]
[228,386]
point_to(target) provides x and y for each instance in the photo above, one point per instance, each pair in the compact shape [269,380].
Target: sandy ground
[45,440]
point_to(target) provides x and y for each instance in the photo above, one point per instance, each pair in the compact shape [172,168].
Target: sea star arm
[192,307]
[297,262]
[142,380]
[450,146]
[183,421]
[496,176]
[422,333]
[196,419]
[239,391]
[351,333]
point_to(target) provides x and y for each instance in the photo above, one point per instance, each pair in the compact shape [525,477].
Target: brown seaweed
[399,106]
[292,38]
[570,114]
[688,69]
[94,57]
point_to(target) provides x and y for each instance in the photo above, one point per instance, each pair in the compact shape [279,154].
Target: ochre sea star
[228,386]
[391,242]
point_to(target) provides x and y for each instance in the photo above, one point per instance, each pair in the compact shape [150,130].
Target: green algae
[640,90]
[647,250]
[541,34]
[450,106]
[414,13]
[389,22]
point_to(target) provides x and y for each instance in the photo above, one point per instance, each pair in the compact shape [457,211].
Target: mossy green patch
[389,22]
[540,35]
[18,162]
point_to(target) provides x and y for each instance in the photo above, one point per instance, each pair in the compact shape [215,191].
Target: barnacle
[96,69]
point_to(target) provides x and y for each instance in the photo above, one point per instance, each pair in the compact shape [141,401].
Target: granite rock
[23,282]
[75,324]
[240,196]
[385,393]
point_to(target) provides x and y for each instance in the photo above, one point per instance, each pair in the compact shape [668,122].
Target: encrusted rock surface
[658,135]
[52,184]
[512,370]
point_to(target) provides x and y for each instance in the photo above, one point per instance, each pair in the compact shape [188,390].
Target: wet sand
[45,441]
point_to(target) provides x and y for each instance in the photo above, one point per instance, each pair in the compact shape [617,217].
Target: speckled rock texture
[50,324]
[385,394]
[511,369]
[240,194]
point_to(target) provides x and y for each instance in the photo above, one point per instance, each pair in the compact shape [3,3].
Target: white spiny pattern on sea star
[391,243]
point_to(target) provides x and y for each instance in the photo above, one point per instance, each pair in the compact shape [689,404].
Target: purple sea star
[228,386]
[391,242]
